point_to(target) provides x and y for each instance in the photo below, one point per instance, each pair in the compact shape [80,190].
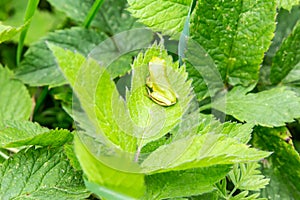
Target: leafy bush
[168,99]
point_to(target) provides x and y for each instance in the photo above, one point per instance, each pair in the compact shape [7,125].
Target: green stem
[92,13]
[40,99]
[232,192]
[31,7]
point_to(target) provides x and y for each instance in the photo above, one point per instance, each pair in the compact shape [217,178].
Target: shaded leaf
[39,68]
[110,19]
[281,163]
[287,57]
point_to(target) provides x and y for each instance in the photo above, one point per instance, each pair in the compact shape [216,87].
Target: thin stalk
[31,7]
[92,13]
[40,100]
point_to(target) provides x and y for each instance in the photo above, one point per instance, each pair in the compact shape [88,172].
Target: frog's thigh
[158,98]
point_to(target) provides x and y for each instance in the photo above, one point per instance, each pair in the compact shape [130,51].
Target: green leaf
[41,173]
[184,183]
[15,102]
[287,57]
[110,19]
[270,108]
[287,4]
[166,16]
[238,131]
[39,68]
[38,27]
[105,193]
[293,78]
[24,133]
[282,163]
[70,153]
[97,94]
[248,177]
[241,132]
[285,23]
[235,34]
[8,32]
[200,151]
[109,180]
[156,120]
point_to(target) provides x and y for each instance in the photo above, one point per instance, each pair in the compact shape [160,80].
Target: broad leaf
[200,151]
[39,67]
[287,57]
[166,16]
[273,107]
[24,133]
[235,34]
[40,173]
[98,96]
[184,183]
[293,78]
[15,102]
[282,163]
[286,20]
[121,183]
[155,120]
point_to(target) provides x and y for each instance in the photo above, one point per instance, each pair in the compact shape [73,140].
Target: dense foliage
[152,99]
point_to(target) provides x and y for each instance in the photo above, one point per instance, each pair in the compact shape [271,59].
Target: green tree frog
[158,85]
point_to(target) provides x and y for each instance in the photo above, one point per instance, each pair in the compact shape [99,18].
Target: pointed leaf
[41,173]
[235,34]
[39,68]
[166,16]
[25,133]
[200,151]
[287,57]
[282,162]
[15,102]
[273,107]
[110,19]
